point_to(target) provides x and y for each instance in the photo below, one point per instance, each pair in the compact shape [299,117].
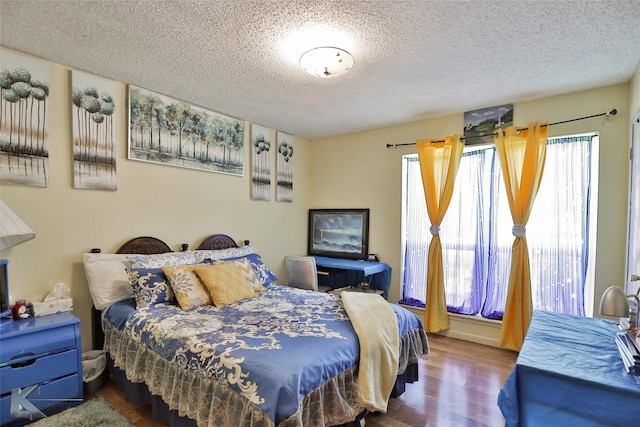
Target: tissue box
[52,307]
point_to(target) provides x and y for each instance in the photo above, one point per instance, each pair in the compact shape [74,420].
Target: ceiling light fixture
[326,62]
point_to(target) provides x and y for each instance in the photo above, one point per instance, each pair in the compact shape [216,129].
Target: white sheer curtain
[463,231]
[465,266]
[416,235]
[476,232]
[558,230]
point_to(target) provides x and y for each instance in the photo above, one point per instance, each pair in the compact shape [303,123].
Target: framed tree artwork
[284,168]
[94,129]
[171,132]
[260,162]
[24,120]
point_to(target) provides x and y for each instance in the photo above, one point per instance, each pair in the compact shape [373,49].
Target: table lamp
[614,302]
[13,231]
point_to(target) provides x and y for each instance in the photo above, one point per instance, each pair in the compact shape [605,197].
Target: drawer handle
[18,365]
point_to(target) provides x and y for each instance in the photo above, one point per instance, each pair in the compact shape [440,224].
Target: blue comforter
[273,349]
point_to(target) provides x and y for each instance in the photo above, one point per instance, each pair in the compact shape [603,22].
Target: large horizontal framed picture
[171,132]
[339,233]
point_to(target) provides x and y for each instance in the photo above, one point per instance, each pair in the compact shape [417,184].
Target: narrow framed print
[94,129]
[284,168]
[260,162]
[24,120]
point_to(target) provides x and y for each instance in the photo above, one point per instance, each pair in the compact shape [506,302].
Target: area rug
[96,412]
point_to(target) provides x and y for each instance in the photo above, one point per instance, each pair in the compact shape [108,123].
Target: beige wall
[359,171]
[183,206]
[174,204]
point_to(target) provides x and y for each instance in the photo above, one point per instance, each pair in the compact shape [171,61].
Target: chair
[302,273]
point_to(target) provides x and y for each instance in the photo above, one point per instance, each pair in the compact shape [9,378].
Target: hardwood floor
[459,385]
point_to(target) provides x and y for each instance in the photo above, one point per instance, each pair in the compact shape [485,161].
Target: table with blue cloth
[350,272]
[569,373]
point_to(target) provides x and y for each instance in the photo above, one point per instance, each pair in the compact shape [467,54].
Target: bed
[279,356]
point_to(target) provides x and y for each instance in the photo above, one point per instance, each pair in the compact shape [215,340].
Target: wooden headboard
[218,241]
[144,246]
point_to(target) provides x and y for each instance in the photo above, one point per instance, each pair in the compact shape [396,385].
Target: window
[476,232]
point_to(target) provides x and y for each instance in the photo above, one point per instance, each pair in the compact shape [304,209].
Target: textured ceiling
[413,59]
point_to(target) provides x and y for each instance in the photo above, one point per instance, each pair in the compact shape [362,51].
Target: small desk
[353,272]
[569,372]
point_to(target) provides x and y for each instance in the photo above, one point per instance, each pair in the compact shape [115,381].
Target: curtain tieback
[435,230]
[518,230]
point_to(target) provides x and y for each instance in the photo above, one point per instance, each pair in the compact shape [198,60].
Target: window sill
[468,328]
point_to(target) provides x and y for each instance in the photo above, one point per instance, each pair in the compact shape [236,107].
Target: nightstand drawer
[34,371]
[36,343]
[56,394]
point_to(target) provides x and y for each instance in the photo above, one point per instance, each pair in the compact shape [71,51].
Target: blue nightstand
[40,365]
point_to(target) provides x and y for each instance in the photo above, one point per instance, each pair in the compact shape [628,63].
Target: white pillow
[108,279]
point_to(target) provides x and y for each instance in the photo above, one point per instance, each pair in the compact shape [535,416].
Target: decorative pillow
[265,276]
[161,260]
[263,273]
[226,282]
[223,254]
[149,286]
[244,267]
[107,278]
[188,289]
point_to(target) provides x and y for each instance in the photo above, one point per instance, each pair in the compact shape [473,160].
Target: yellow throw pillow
[188,289]
[226,282]
[244,267]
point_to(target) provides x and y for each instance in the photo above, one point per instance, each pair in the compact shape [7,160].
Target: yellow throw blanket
[376,325]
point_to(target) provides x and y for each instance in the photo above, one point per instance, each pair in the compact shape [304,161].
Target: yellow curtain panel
[522,155]
[439,163]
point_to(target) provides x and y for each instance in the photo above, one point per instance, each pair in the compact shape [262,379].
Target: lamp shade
[614,302]
[13,230]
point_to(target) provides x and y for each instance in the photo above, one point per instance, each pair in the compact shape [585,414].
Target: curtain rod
[610,113]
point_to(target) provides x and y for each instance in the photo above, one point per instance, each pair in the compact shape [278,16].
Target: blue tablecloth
[570,373]
[376,274]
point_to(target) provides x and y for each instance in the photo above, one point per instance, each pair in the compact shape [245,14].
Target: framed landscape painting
[480,125]
[171,132]
[339,233]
